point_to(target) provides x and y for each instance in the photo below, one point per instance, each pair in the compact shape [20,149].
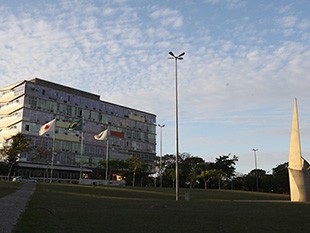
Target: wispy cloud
[239,70]
[167,17]
[228,3]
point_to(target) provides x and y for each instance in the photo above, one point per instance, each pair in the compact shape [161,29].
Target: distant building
[29,104]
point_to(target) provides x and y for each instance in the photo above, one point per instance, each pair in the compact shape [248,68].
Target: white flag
[49,126]
[103,135]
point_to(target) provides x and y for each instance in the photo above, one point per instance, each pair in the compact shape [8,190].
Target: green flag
[76,125]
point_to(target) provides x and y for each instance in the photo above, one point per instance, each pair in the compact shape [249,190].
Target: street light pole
[176,58]
[161,155]
[255,161]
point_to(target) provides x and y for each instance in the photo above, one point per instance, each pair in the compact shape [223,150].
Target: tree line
[194,172]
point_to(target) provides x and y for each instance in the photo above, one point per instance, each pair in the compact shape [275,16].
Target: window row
[65,111]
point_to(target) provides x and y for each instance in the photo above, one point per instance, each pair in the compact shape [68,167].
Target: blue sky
[245,62]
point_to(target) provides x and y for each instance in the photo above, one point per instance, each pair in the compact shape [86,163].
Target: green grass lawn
[7,187]
[73,208]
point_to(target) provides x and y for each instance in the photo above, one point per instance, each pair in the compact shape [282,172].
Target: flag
[75,125]
[103,135]
[49,126]
[117,134]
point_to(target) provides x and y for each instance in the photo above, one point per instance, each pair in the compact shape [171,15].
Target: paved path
[13,205]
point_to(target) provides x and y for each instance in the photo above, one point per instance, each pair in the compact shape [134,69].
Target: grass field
[73,208]
[7,187]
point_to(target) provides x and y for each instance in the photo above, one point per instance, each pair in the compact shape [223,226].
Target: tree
[170,173]
[227,165]
[168,168]
[250,180]
[114,165]
[278,182]
[209,174]
[13,148]
[4,168]
[117,165]
[191,167]
[168,160]
[136,164]
[281,178]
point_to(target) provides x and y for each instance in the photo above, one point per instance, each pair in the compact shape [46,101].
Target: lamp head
[171,53]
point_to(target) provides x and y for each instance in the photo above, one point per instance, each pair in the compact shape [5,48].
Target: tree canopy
[226,165]
[136,164]
[13,148]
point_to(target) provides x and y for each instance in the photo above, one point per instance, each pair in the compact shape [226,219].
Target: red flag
[117,134]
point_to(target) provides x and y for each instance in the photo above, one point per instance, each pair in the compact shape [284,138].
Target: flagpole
[107,163]
[43,129]
[82,148]
[53,152]
[103,135]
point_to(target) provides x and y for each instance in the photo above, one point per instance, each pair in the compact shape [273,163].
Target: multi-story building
[29,104]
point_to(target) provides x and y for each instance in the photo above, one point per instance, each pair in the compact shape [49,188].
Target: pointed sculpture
[298,167]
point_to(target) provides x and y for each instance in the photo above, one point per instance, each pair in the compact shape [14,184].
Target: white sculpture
[298,167]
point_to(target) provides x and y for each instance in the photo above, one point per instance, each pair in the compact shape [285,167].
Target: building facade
[29,104]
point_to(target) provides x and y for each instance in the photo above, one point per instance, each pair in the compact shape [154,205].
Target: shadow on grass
[73,208]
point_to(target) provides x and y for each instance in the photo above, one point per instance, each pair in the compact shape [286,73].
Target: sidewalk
[13,205]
